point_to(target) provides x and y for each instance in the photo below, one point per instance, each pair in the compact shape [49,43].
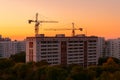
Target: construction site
[76,49]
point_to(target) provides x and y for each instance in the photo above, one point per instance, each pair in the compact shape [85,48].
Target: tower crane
[37,23]
[73,29]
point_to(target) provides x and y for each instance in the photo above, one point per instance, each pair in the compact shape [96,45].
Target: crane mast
[73,30]
[37,23]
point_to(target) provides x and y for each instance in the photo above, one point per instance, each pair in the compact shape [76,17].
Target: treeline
[15,68]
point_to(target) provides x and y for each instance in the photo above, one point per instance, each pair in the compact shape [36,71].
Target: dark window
[30,44]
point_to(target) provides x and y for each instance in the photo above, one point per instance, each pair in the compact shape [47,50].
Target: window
[43,45]
[30,55]
[30,44]
[43,42]
[43,49]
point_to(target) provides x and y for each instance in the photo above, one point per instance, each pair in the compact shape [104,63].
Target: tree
[55,73]
[20,70]
[19,57]
[5,66]
[117,75]
[78,73]
[111,65]
[116,60]
[104,59]
[42,63]
[97,69]
[106,76]
[5,63]
[41,73]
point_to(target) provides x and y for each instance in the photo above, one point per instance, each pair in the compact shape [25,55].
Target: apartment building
[4,39]
[8,48]
[82,50]
[113,48]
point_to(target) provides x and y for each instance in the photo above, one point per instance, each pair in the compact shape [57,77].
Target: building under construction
[81,49]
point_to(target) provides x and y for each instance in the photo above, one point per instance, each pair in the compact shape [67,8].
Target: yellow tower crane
[37,23]
[73,29]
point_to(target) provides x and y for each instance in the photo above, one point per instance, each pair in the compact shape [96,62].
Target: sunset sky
[96,17]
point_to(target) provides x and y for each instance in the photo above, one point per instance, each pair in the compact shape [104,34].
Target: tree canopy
[17,69]
[18,57]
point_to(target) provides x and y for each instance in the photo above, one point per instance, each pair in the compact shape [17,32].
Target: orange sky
[98,17]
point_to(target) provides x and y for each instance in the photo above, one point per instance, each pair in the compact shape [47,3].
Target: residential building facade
[113,48]
[80,50]
[8,48]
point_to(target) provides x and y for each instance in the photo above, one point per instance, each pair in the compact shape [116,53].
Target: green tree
[97,69]
[55,73]
[5,67]
[79,73]
[18,57]
[117,75]
[41,63]
[106,76]
[41,73]
[20,70]
[5,63]
[104,59]
[31,71]
[111,65]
